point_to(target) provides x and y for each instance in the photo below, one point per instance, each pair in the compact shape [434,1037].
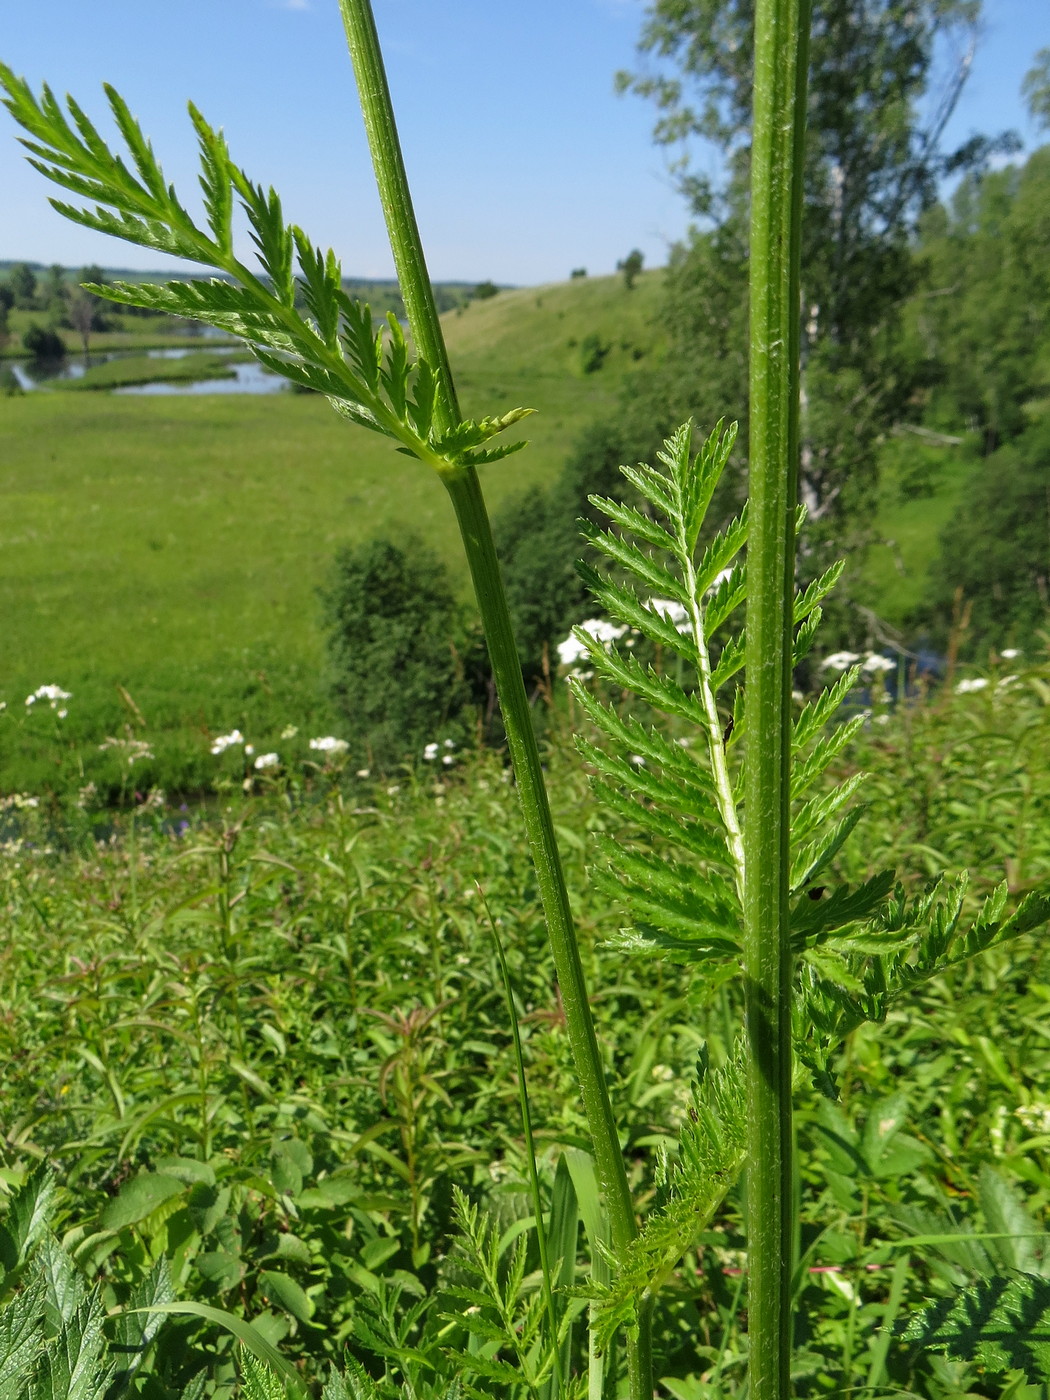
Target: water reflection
[249,378]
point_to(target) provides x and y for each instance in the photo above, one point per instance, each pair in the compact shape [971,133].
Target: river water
[249,378]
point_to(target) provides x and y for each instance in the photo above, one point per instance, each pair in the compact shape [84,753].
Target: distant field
[174,545]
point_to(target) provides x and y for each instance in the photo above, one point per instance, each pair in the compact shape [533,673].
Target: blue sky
[523,161]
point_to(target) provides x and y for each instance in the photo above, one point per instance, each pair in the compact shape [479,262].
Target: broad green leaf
[283,1290]
[139,1198]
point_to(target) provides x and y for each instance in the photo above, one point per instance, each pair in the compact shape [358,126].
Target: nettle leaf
[336,349]
[1000,1323]
[21,1338]
[25,1222]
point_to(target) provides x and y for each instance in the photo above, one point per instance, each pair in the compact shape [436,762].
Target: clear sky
[524,162]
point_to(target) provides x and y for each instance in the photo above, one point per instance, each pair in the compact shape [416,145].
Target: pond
[248,378]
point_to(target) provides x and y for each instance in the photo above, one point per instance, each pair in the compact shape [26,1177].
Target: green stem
[467,500]
[530,1154]
[392,179]
[777,155]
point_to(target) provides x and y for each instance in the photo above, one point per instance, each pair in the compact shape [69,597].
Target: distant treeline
[56,292]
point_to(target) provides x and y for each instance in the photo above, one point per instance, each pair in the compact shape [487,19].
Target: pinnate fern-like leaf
[334,349]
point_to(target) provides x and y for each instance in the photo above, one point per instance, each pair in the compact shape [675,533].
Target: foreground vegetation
[265,1043]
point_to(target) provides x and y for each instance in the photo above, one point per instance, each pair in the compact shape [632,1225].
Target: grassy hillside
[174,546]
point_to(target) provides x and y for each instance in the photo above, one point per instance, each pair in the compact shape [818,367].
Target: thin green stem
[781,44]
[392,179]
[530,1151]
[469,505]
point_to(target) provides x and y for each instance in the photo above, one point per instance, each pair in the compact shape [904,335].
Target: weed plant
[353,951]
[726,876]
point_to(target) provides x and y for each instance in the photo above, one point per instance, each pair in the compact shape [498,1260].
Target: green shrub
[593,351]
[994,552]
[400,655]
[43,344]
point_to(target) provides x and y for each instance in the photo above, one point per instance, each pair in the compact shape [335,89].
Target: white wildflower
[227,741]
[249,749]
[431,752]
[267,760]
[672,611]
[393,789]
[1010,653]
[18,802]
[328,744]
[449,744]
[364,772]
[874,662]
[972,683]
[638,760]
[840,660]
[448,759]
[130,750]
[289,731]
[572,649]
[52,693]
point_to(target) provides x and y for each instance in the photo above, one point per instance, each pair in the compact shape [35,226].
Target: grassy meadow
[173,546]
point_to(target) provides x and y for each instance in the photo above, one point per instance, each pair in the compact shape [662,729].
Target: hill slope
[174,546]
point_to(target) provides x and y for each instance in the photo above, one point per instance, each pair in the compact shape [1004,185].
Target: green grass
[298,996]
[174,545]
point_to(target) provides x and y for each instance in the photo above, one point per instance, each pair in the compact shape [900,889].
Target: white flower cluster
[18,802]
[267,760]
[573,649]
[872,662]
[971,684]
[672,611]
[329,744]
[129,749]
[431,751]
[54,695]
[227,741]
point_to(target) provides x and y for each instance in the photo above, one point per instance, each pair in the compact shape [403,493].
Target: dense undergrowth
[265,1042]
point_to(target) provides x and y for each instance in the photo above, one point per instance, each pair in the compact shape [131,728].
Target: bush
[593,351]
[44,344]
[995,552]
[402,661]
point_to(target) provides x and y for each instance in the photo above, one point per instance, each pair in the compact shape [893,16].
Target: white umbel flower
[328,744]
[227,741]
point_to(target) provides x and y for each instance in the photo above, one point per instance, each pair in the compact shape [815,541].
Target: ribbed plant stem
[781,46]
[469,505]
